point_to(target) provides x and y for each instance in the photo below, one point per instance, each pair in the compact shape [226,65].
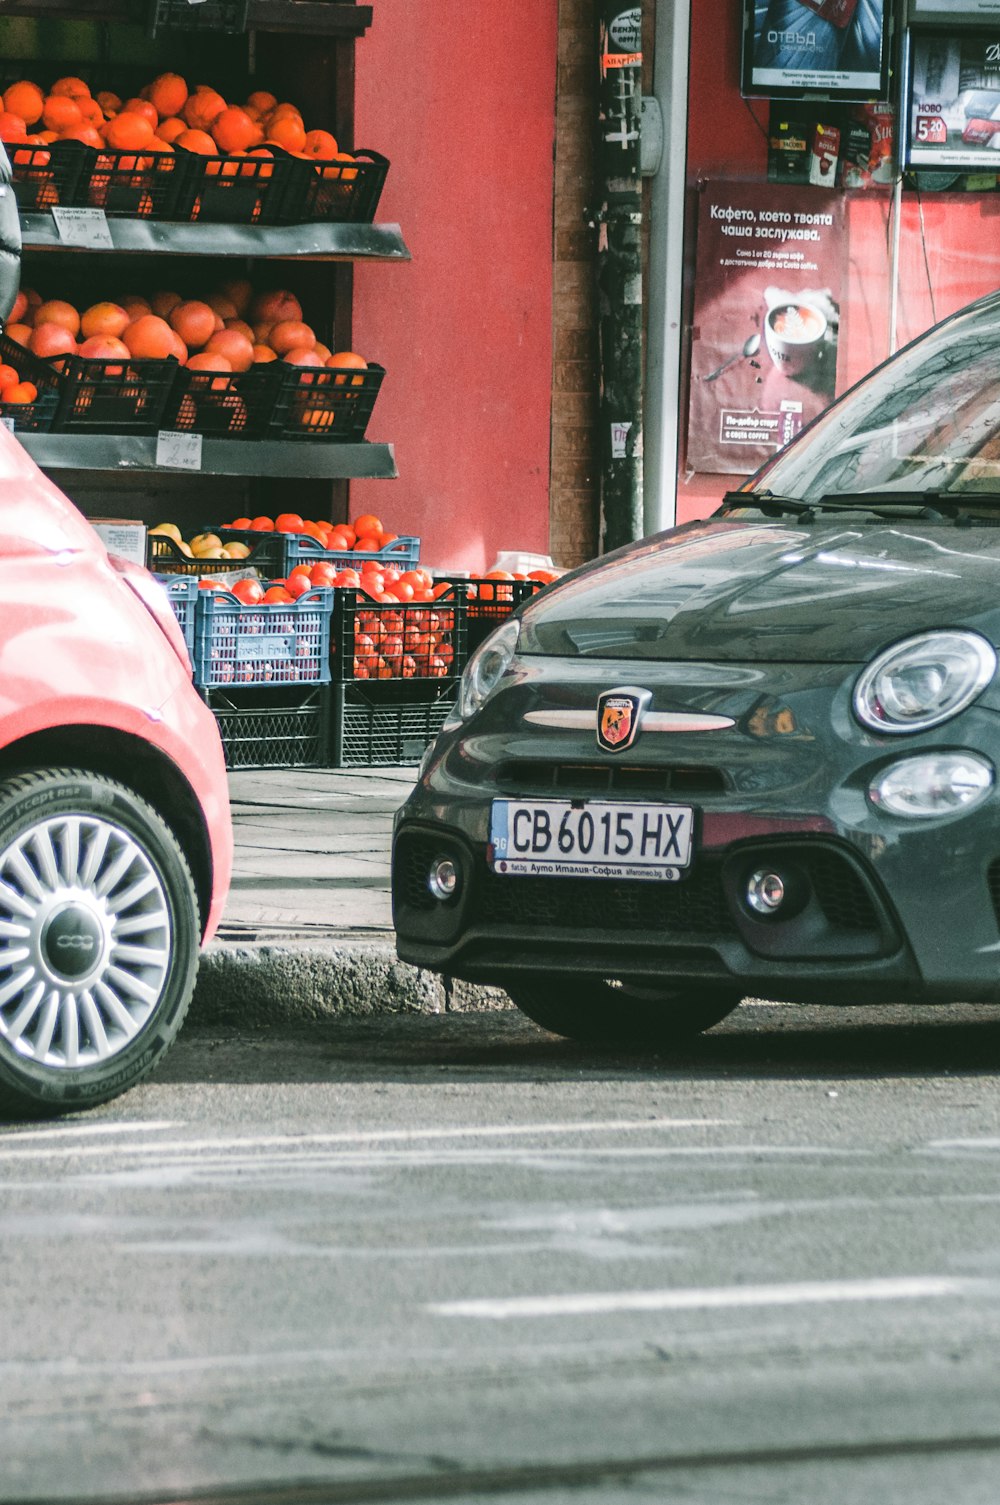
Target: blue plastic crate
[183,593]
[271,643]
[286,550]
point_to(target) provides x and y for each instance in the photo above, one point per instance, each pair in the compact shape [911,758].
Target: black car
[755,755]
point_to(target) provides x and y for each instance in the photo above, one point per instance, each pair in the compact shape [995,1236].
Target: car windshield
[925,424]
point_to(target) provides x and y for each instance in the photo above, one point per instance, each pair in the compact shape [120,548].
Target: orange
[164,302]
[128,132]
[273,306]
[104,319]
[367,525]
[19,333]
[87,133]
[25,99]
[223,306]
[194,321]
[171,128]
[261,354]
[144,108]
[19,307]
[169,94]
[291,334]
[8,377]
[287,131]
[302,355]
[58,311]
[234,346]
[202,107]
[136,305]
[348,360]
[149,338]
[260,173]
[208,361]
[239,291]
[262,101]
[60,113]
[90,110]
[320,144]
[234,131]
[25,391]
[12,127]
[197,141]
[102,347]
[51,339]
[344,174]
[109,103]
[240,327]
[71,86]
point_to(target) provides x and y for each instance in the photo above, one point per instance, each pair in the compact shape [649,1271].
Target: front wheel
[99,935]
[610,1011]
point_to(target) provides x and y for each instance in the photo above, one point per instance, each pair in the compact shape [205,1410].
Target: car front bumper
[886,908]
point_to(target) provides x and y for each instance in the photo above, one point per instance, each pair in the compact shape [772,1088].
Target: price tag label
[83,227]
[177,451]
[8,423]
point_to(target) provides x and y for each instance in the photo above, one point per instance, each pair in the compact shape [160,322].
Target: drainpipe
[618,220]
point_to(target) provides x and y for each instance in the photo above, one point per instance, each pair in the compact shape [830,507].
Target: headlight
[932,784]
[924,681]
[486,668]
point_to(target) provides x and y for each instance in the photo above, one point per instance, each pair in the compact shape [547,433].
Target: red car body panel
[79,648]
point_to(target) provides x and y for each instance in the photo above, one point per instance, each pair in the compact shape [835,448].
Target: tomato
[278,593]
[248,591]
[289,522]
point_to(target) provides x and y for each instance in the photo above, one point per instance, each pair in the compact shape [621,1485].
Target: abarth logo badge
[619,713]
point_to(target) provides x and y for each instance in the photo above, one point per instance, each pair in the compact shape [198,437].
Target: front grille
[695,905]
[840,891]
[414,856]
[579,780]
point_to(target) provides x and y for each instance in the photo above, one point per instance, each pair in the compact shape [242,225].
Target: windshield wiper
[933,505]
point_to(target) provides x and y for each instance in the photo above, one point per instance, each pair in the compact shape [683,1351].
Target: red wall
[461,99]
[949,251]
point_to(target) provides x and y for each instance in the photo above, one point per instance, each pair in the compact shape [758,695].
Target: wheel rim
[84,941]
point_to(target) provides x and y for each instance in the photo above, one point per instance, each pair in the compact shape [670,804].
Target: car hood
[772,592]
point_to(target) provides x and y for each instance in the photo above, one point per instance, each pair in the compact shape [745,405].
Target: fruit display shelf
[219,457]
[320,242]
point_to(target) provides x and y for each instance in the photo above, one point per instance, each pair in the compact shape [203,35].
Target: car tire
[605,1011]
[99,940]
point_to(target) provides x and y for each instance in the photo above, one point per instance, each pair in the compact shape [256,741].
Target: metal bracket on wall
[651,136]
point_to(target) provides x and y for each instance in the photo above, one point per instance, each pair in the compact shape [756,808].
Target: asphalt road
[452,1258]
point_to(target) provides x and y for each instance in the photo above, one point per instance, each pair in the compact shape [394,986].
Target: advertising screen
[953,97]
[794,48]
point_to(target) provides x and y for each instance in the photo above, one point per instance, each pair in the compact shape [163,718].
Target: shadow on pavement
[759,1042]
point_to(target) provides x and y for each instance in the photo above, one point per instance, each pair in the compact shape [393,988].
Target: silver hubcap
[84,941]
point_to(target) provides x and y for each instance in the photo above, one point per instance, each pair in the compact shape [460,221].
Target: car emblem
[619,713]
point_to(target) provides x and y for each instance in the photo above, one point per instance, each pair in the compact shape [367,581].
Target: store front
[839,196]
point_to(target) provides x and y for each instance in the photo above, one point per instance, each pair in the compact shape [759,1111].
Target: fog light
[932,784]
[443,878]
[765,891]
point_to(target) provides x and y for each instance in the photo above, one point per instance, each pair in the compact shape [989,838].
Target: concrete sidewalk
[307,929]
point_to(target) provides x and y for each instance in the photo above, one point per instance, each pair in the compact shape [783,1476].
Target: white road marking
[902,1288]
[70,1131]
[371,1136]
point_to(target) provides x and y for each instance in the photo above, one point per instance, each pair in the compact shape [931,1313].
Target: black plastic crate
[164,557]
[320,402]
[274,728]
[30,417]
[47,177]
[233,190]
[228,16]
[382,641]
[115,396]
[490,602]
[334,190]
[135,184]
[389,722]
[225,405]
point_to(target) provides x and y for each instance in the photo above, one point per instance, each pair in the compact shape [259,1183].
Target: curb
[266,983]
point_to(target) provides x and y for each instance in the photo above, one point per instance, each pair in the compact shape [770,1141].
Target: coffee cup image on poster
[797,47]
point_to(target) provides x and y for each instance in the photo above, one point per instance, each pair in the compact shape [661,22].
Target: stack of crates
[396,669]
[264,670]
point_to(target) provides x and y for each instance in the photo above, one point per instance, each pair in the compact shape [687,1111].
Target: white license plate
[590,839]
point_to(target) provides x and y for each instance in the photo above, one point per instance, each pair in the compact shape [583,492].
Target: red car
[115,835]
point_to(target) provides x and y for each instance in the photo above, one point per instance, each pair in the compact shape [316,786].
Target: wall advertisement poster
[793,48]
[770,264]
[953,94]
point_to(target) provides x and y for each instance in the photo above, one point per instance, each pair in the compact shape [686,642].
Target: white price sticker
[8,423]
[83,227]
[178,451]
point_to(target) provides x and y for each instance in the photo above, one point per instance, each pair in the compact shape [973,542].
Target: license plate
[590,839]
